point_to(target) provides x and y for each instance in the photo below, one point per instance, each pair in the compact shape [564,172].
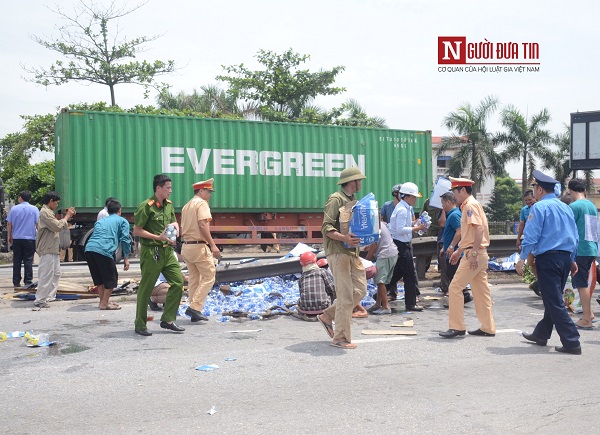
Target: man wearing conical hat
[345,264]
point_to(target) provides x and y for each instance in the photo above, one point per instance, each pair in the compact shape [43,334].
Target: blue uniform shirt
[524,213]
[108,233]
[550,227]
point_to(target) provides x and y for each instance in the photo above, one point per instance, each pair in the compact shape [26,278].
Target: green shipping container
[257,166]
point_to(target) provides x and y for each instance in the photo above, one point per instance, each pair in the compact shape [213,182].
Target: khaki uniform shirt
[331,222]
[472,214]
[154,217]
[195,210]
[47,240]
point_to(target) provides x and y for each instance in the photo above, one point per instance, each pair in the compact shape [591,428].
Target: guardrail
[423,247]
[426,247]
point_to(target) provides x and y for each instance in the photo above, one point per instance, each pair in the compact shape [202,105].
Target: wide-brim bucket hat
[351,174]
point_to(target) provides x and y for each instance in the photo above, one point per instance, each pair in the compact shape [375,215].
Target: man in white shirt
[401,227]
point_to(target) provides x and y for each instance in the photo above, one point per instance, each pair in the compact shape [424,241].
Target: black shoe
[172,326]
[533,338]
[414,308]
[195,315]
[481,333]
[451,333]
[143,332]
[393,296]
[571,350]
[154,306]
[468,297]
[535,286]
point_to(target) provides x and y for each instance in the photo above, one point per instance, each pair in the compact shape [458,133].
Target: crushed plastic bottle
[254,316]
[224,319]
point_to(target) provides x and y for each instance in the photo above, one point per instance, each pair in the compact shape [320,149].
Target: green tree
[476,153]
[506,201]
[210,100]
[94,54]
[353,114]
[38,179]
[525,139]
[280,91]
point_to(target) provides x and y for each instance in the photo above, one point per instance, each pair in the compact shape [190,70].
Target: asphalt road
[285,378]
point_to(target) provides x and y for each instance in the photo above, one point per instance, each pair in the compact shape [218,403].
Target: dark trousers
[23,251]
[442,266]
[553,270]
[405,269]
[450,270]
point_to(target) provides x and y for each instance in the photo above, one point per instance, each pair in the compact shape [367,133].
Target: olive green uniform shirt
[154,216]
[331,222]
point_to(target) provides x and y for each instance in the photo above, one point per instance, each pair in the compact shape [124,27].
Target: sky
[389,49]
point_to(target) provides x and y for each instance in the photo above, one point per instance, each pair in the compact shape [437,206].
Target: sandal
[111,307]
[328,327]
[344,345]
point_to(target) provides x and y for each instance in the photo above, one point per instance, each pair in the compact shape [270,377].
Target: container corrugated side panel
[118,154]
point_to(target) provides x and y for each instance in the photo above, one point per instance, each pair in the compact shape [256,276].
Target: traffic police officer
[551,235]
[475,238]
[199,248]
[156,255]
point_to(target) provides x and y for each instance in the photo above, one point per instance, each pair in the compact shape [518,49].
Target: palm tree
[524,139]
[476,152]
[357,116]
[210,100]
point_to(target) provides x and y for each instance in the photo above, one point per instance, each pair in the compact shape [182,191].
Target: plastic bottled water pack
[254,297]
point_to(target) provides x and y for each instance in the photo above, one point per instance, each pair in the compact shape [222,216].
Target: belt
[470,247]
[195,242]
[555,252]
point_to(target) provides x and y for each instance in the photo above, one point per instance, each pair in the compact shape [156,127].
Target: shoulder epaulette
[168,200]
[151,202]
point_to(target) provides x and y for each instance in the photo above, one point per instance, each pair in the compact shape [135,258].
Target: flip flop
[328,327]
[585,328]
[344,345]
[111,307]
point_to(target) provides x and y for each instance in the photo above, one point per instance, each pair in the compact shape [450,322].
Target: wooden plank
[387,332]
[405,324]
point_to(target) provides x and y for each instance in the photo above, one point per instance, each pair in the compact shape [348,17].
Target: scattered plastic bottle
[254,316]
[223,319]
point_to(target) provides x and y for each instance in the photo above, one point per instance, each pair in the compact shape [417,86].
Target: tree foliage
[526,139]
[38,179]
[476,153]
[506,201]
[93,53]
[280,91]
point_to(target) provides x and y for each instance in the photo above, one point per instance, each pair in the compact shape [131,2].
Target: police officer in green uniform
[156,255]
